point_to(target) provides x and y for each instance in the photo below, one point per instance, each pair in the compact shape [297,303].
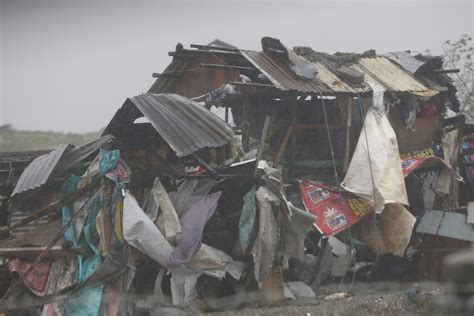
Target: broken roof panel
[392,77]
[39,170]
[57,161]
[335,83]
[405,60]
[184,124]
[279,72]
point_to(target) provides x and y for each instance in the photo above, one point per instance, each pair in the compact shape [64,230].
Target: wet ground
[364,299]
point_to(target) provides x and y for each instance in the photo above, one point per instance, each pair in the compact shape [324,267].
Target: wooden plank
[218,66]
[52,207]
[293,103]
[318,126]
[56,251]
[282,148]
[262,143]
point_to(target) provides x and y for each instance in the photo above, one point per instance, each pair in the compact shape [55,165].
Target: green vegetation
[15,140]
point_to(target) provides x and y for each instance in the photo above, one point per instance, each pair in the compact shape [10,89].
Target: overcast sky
[69,65]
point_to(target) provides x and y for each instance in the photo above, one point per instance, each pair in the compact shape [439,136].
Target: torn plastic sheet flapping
[189,193]
[374,172]
[247,219]
[208,261]
[168,219]
[192,226]
[265,245]
[140,232]
[294,234]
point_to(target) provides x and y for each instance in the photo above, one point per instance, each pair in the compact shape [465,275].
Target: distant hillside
[16,140]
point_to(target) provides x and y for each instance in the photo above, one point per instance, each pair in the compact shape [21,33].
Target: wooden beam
[245,124]
[445,71]
[252,84]
[216,48]
[33,252]
[54,206]
[262,143]
[348,130]
[218,66]
[53,242]
[203,163]
[282,148]
[194,52]
[318,126]
[293,103]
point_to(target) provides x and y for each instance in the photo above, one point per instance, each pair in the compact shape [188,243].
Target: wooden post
[282,148]
[245,123]
[348,129]
[261,145]
[294,112]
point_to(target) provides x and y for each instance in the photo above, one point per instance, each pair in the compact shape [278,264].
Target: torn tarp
[189,193]
[265,245]
[247,219]
[140,232]
[334,212]
[167,219]
[374,172]
[192,226]
[391,232]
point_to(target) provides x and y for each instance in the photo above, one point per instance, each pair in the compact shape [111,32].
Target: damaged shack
[321,168]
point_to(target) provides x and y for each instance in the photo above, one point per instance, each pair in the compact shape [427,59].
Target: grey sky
[68,65]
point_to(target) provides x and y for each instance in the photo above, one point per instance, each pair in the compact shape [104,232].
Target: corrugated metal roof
[39,170]
[446,224]
[335,83]
[392,77]
[405,60]
[278,71]
[57,161]
[184,124]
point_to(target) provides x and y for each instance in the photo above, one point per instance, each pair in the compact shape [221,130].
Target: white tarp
[140,232]
[375,172]
[391,232]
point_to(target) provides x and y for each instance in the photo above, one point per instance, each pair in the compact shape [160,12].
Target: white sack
[384,164]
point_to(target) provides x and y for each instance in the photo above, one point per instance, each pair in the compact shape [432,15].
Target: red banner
[334,212]
[412,163]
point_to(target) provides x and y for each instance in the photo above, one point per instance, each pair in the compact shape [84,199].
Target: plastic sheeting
[294,234]
[168,219]
[374,172]
[265,245]
[192,226]
[391,232]
[189,193]
[140,232]
[247,219]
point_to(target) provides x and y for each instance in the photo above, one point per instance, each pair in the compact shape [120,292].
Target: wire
[336,175]
[362,113]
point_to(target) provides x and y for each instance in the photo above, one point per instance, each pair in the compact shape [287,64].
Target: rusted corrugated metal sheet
[391,76]
[186,77]
[166,82]
[184,124]
[277,70]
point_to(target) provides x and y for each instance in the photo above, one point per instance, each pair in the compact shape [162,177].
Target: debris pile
[326,168]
